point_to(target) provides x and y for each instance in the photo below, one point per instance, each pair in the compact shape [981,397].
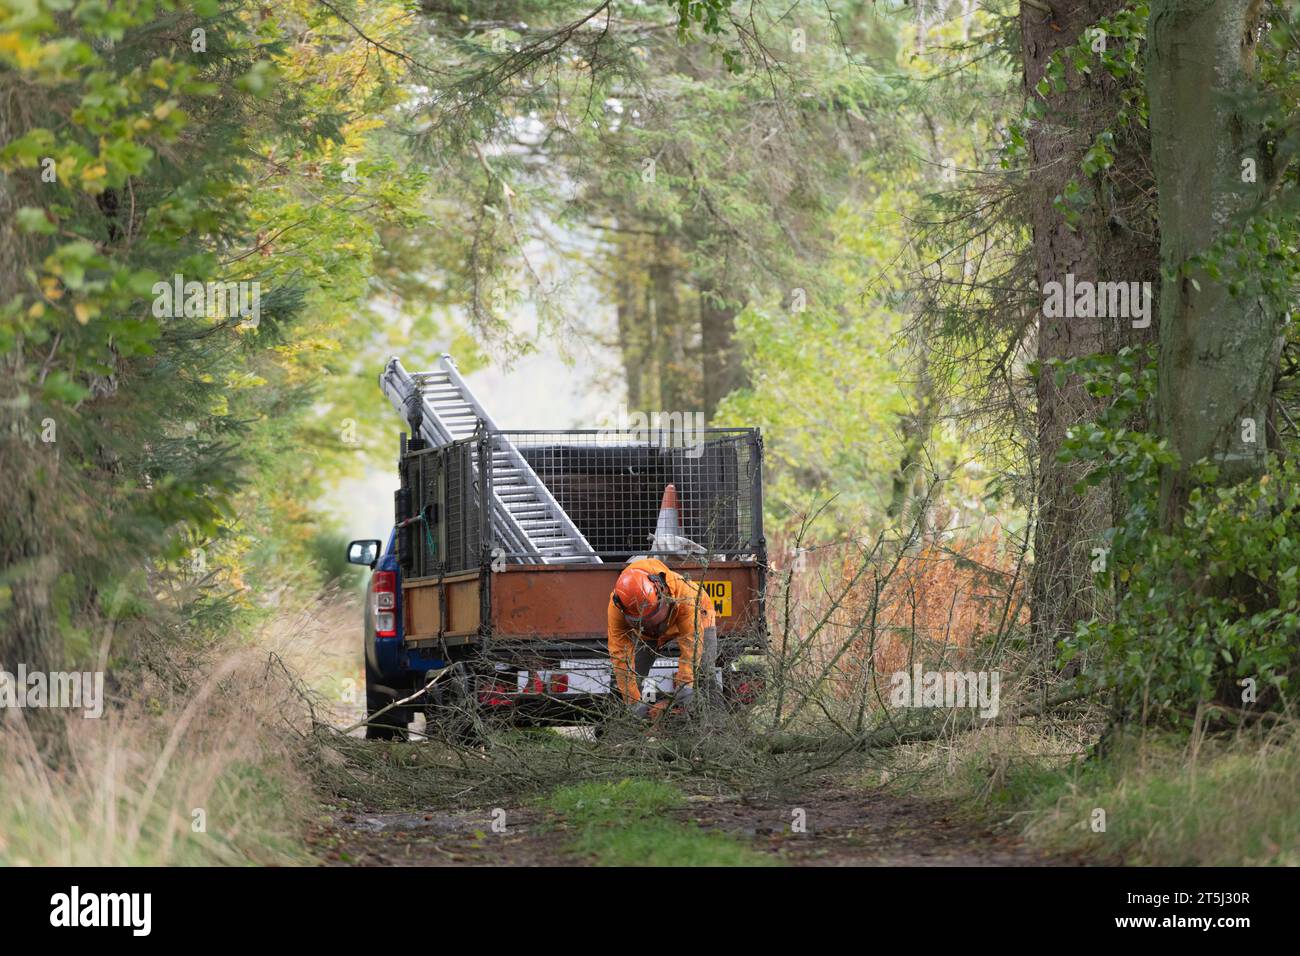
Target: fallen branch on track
[931,726]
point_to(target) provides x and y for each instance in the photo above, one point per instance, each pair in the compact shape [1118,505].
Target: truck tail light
[497,694]
[554,683]
[383,595]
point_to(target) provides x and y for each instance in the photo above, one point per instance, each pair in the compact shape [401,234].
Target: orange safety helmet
[638,597]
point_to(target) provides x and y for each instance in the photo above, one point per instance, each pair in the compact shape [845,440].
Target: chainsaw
[674,704]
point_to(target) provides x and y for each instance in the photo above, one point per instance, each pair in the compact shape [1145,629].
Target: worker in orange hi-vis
[652,605]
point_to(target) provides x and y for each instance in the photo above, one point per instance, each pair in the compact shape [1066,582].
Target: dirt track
[844,827]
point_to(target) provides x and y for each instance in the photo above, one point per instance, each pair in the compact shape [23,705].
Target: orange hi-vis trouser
[691,623]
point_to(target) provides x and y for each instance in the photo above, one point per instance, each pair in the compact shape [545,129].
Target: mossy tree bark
[1218,352]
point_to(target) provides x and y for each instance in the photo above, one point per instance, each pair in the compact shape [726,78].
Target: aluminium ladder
[526,519]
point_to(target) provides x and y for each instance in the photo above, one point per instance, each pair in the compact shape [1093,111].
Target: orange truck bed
[541,604]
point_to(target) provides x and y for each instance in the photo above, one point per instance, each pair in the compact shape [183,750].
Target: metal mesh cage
[461,508]
[444,507]
[611,485]
[580,496]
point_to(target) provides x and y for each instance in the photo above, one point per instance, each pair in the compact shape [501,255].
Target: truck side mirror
[365,551]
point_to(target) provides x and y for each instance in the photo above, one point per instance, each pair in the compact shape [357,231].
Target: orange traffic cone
[668,528]
[668,536]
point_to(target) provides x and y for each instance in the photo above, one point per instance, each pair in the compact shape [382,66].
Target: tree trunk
[1101,246]
[631,334]
[668,346]
[916,427]
[1218,352]
[723,367]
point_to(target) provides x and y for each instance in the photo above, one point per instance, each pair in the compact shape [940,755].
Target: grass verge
[195,782]
[1152,800]
[210,773]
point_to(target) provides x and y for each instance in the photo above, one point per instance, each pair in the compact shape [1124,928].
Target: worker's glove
[684,696]
[641,710]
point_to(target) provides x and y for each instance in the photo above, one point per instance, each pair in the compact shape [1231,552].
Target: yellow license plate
[720,592]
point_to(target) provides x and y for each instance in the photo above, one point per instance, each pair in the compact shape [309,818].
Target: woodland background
[834,221]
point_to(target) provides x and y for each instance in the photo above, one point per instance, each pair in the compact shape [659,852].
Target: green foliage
[329,551]
[1127,379]
[180,453]
[836,365]
[843,379]
[1198,608]
[1210,605]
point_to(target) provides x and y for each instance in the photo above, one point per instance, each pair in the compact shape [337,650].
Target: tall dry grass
[211,775]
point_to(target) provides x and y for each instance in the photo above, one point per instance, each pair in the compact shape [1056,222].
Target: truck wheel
[388,726]
[455,712]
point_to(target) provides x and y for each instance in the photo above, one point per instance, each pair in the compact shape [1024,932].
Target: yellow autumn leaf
[84,312]
[25,54]
[37,310]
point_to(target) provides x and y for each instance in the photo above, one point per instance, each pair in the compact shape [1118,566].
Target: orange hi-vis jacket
[690,614]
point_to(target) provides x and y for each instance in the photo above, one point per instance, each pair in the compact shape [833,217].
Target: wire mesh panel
[560,497]
[611,485]
[459,509]
[440,502]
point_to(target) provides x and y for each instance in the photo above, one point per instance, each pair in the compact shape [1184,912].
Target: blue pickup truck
[388,675]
